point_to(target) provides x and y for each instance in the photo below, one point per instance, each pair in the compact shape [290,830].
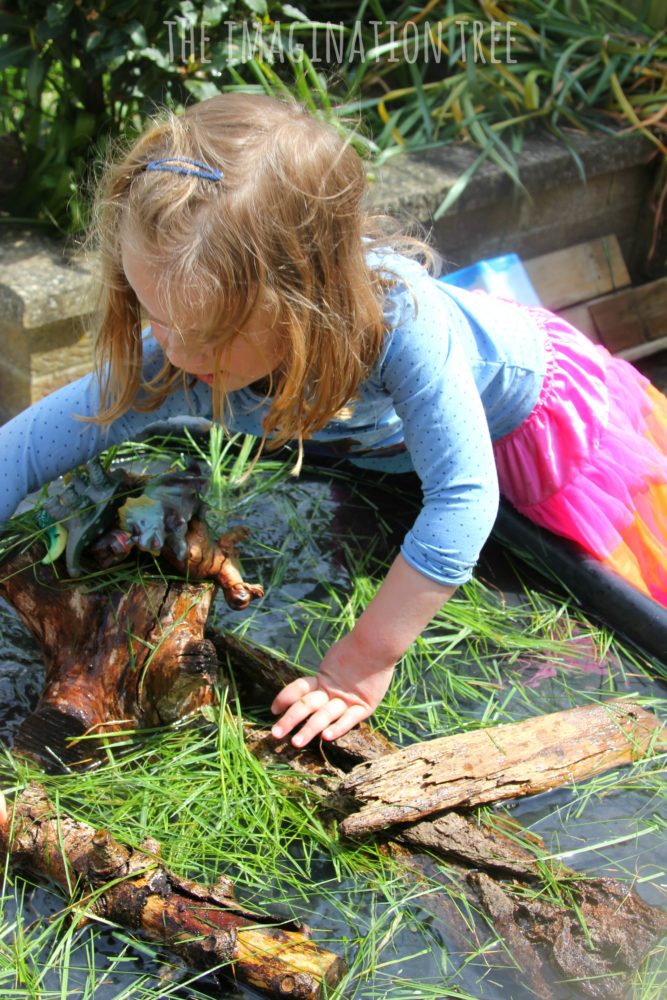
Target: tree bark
[206,926]
[498,866]
[502,762]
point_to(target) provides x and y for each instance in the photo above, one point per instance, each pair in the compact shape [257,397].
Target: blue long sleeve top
[457,371]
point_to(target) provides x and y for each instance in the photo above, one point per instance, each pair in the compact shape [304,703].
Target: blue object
[193,167]
[505,276]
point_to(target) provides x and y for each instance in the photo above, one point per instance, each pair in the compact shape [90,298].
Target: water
[321,527]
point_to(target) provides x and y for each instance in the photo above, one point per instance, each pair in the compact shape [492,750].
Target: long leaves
[410,76]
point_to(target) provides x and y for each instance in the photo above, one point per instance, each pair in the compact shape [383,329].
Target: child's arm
[357,670]
[426,373]
[47,439]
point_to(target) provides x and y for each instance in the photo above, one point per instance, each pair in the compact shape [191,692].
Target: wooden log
[206,926]
[547,938]
[487,765]
[131,659]
[114,658]
[442,833]
[456,835]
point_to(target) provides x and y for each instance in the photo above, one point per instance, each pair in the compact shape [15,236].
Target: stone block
[45,298]
[555,208]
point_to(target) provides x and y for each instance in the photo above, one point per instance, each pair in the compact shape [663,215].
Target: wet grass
[320,545]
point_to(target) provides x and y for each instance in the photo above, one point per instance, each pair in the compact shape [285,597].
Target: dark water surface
[320,527]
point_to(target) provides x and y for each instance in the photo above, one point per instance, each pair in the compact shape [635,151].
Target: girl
[277,304]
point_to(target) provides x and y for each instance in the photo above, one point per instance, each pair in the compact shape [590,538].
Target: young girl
[277,304]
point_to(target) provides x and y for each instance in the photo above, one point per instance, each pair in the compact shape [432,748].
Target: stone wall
[45,296]
[554,209]
[44,301]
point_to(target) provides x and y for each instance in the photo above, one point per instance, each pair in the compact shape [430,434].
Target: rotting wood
[115,659]
[453,835]
[488,849]
[130,887]
[501,762]
[620,930]
[133,659]
[497,864]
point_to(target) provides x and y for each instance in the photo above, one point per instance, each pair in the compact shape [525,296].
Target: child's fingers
[292,692]
[299,711]
[319,720]
[347,721]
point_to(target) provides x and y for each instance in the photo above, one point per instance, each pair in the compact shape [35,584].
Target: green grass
[488,658]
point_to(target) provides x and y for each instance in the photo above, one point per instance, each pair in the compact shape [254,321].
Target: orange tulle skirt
[590,461]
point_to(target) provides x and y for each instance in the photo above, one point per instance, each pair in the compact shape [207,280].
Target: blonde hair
[284,227]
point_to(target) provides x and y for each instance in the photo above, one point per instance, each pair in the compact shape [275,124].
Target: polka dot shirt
[457,370]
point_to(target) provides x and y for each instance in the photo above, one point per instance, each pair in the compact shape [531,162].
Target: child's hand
[347,689]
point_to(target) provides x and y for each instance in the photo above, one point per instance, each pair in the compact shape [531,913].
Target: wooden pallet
[589,285]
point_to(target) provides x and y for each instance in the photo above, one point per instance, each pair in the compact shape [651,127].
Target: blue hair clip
[196,168]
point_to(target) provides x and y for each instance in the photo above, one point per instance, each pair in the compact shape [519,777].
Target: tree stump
[130,658]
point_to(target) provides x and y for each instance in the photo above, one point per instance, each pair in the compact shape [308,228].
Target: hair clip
[196,168]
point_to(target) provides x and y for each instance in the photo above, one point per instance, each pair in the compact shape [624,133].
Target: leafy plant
[78,73]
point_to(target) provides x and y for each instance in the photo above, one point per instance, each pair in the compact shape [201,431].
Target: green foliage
[79,73]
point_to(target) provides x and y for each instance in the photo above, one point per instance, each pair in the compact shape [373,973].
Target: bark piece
[503,762]
[620,928]
[547,941]
[455,835]
[131,887]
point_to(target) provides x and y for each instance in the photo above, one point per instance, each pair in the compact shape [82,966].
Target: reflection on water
[306,536]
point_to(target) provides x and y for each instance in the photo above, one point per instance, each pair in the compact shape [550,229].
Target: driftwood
[503,762]
[537,931]
[206,926]
[495,863]
[133,659]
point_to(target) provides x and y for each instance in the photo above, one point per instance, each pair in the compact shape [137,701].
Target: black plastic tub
[596,589]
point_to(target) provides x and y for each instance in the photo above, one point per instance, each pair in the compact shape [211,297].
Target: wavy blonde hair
[283,228]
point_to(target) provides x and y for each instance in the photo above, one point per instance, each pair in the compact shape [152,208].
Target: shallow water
[310,522]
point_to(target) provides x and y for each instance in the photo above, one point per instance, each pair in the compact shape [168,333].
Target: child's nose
[181,357]
[161,334]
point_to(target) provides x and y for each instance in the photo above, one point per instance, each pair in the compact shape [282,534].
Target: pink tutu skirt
[590,461]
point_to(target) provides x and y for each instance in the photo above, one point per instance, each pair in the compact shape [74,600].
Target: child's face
[253,354]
